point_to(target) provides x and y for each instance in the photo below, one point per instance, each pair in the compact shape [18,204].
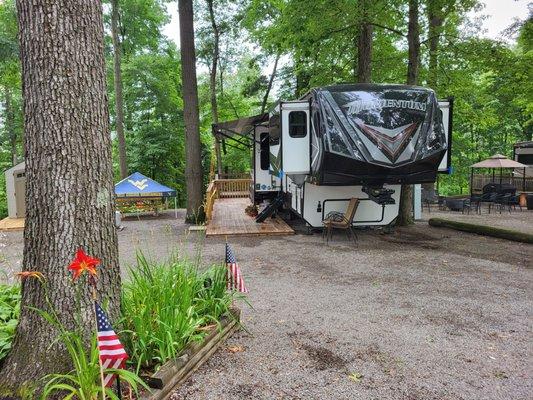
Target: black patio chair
[429,197]
[491,200]
[475,201]
[503,201]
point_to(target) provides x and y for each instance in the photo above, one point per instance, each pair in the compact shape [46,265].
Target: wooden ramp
[229,218]
[12,224]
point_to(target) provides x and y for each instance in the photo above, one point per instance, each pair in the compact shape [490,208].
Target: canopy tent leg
[176,206]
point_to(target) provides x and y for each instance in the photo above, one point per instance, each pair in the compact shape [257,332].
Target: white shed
[16,191]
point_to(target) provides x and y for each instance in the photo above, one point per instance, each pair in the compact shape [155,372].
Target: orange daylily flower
[30,274]
[82,263]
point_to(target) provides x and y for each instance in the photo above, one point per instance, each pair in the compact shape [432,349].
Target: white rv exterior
[313,202]
[346,141]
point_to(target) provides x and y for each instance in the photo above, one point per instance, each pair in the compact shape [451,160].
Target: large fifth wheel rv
[337,142]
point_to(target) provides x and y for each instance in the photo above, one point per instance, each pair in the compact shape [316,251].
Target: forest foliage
[316,44]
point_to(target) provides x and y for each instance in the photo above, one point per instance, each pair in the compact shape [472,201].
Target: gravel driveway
[423,313]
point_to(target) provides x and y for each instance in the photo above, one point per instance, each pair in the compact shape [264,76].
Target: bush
[9,314]
[164,305]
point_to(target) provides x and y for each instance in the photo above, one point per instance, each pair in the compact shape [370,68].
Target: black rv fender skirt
[338,170]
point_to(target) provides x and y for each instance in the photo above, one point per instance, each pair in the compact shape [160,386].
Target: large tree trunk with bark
[193,168]
[405,216]
[69,186]
[435,22]
[213,79]
[119,102]
[364,46]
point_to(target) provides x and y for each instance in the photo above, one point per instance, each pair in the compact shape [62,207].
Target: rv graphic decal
[357,106]
[392,142]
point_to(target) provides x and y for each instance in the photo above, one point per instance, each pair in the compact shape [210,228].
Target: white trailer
[345,141]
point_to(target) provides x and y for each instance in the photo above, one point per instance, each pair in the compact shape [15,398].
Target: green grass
[9,314]
[164,304]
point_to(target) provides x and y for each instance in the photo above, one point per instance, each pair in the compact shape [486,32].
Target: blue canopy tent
[138,186]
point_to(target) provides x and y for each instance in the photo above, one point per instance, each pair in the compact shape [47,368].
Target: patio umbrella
[498,161]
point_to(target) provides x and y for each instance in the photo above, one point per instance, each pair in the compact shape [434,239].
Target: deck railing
[480,180]
[233,187]
[225,188]
[233,175]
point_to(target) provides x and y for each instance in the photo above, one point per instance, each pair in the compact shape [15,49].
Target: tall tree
[213,78]
[364,45]
[119,102]
[405,216]
[193,168]
[270,83]
[69,190]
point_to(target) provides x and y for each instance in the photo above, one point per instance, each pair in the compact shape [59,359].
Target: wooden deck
[12,224]
[230,219]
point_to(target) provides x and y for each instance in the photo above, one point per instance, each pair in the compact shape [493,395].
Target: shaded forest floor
[424,313]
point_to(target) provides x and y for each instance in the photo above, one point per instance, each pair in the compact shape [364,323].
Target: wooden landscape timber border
[175,372]
[483,230]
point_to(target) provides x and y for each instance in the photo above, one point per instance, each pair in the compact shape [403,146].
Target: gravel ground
[423,313]
[517,220]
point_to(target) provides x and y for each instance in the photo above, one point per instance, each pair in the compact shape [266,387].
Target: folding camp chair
[344,222]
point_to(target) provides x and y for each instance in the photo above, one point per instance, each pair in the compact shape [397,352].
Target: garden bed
[176,371]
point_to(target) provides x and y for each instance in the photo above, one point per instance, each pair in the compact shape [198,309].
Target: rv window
[273,129]
[265,151]
[297,124]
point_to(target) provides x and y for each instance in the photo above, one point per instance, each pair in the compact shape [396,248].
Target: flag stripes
[234,279]
[111,351]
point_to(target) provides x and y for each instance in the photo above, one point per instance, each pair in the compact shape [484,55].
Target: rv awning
[138,185]
[238,127]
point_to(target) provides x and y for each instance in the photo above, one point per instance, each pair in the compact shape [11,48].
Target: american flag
[233,274]
[112,353]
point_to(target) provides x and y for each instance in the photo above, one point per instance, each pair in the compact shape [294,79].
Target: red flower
[82,263]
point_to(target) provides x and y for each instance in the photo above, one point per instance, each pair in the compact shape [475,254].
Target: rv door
[295,137]
[446,107]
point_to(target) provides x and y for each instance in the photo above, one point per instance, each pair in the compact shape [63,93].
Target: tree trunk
[213,80]
[269,87]
[119,102]
[435,21]
[10,125]
[413,42]
[69,186]
[405,215]
[364,46]
[193,168]
[364,53]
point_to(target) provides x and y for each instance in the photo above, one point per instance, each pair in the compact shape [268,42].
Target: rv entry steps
[270,209]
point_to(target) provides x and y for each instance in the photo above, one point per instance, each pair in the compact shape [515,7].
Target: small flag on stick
[233,274]
[112,353]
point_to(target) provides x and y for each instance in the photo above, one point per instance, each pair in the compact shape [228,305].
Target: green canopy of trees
[316,43]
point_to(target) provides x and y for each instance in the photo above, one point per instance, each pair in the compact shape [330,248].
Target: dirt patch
[323,358]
